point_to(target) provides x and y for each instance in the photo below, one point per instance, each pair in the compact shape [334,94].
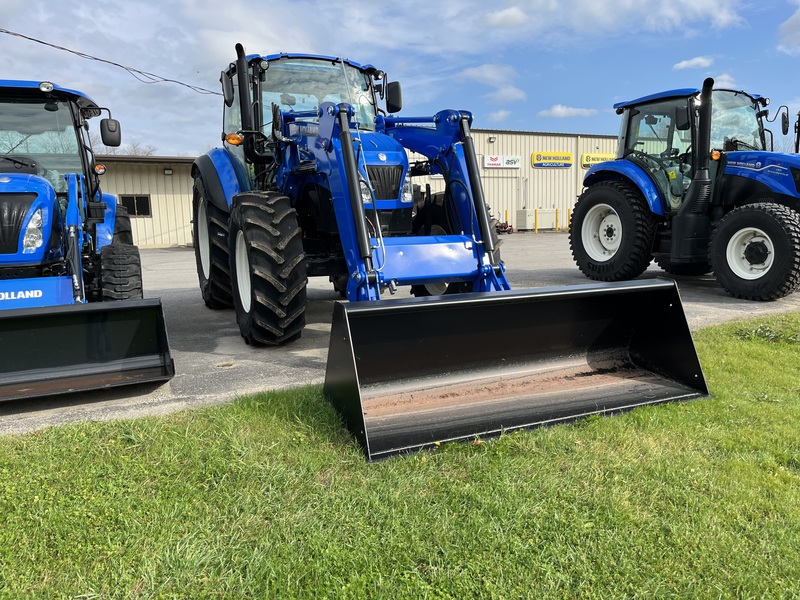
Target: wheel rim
[601,232]
[750,253]
[242,272]
[203,240]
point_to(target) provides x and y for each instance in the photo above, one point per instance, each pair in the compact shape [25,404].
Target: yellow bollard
[536,220]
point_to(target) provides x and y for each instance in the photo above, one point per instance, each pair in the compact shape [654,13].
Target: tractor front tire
[611,232]
[210,232]
[120,272]
[268,270]
[755,251]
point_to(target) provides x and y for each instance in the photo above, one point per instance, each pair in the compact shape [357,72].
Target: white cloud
[559,111]
[497,77]
[499,115]
[790,34]
[507,18]
[698,62]
[725,80]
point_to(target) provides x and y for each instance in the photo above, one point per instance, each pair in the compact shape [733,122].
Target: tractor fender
[219,178]
[635,175]
[104,232]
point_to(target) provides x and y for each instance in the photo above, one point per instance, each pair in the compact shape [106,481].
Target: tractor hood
[779,171]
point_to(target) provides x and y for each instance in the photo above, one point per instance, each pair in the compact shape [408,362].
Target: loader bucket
[79,347]
[410,373]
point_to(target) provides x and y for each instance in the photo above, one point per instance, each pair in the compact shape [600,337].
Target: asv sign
[495,161]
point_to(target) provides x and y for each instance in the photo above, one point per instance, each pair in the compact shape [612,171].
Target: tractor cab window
[659,139]
[302,84]
[37,136]
[734,122]
[657,130]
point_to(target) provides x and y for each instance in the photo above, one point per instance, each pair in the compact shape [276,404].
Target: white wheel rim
[735,253]
[203,240]
[438,288]
[242,271]
[601,232]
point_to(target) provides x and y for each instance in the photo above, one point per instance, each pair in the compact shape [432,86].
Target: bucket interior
[406,374]
[53,350]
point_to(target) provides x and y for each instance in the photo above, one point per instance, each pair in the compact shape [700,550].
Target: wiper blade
[20,162]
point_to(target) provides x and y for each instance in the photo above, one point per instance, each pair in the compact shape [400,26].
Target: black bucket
[410,373]
[73,348]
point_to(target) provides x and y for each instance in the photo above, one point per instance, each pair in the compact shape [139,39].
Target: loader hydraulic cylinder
[477,188]
[353,189]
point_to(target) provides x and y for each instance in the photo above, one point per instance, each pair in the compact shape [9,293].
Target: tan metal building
[531,179]
[157,191]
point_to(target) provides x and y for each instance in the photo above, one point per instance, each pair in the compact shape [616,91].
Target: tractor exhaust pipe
[406,374]
[691,227]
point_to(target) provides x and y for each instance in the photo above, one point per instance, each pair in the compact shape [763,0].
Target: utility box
[526,219]
[538,218]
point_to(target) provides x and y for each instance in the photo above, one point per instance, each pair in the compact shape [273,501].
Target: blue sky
[539,65]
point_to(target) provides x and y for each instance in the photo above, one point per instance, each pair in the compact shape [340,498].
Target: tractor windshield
[38,136]
[302,84]
[734,122]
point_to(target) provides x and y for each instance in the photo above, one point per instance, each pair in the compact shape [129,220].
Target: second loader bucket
[78,347]
[407,374]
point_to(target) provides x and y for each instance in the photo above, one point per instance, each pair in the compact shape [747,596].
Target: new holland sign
[495,161]
[551,160]
[593,158]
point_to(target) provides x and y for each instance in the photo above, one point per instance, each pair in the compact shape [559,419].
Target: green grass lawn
[270,497]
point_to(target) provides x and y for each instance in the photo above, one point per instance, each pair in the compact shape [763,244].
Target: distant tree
[135,148]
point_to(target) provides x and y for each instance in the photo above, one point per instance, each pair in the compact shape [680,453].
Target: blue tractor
[72,313]
[315,179]
[695,188]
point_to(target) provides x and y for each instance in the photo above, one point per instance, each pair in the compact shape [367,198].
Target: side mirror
[682,121]
[110,132]
[394,97]
[785,122]
[227,88]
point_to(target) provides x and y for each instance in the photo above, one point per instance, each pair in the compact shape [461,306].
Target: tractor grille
[385,180]
[13,209]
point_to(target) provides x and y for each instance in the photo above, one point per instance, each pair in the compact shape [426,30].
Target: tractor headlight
[366,194]
[408,192]
[34,237]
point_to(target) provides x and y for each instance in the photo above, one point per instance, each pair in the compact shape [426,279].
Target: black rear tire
[210,232]
[123,231]
[755,251]
[611,232]
[268,269]
[120,272]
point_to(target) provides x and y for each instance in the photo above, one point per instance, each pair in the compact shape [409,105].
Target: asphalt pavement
[214,365]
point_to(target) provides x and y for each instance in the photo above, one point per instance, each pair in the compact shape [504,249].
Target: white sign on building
[497,161]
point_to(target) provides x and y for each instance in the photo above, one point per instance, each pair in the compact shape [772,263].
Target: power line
[142,76]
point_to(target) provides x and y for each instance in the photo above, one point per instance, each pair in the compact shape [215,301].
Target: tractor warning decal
[548,160]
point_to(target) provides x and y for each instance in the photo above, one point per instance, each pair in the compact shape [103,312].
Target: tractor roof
[272,57]
[679,93]
[81,99]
